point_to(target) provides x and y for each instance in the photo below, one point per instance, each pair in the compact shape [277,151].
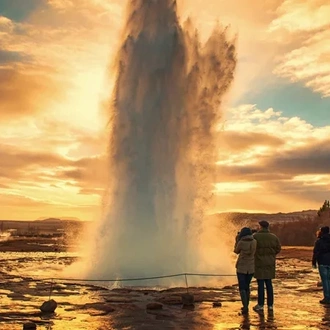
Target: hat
[324,230]
[264,223]
[245,231]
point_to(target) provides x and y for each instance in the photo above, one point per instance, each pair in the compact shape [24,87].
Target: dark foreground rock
[29,326]
[154,305]
[49,306]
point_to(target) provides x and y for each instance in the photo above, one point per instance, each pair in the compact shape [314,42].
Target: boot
[244,299]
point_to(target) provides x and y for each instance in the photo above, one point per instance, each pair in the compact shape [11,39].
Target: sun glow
[82,104]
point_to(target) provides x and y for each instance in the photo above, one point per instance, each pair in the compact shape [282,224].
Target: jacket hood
[245,231]
[247,244]
[325,238]
[250,238]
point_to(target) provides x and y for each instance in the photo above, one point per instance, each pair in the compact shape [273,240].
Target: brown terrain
[254,218]
[27,269]
[71,227]
[103,305]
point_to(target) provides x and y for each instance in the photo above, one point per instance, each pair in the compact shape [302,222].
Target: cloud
[17,165]
[279,135]
[19,10]
[35,180]
[7,56]
[28,84]
[295,15]
[24,94]
[250,173]
[16,158]
[238,141]
[23,201]
[66,160]
[61,4]
[37,166]
[5,23]
[89,174]
[72,17]
[310,159]
[306,57]
[51,57]
[24,207]
[290,164]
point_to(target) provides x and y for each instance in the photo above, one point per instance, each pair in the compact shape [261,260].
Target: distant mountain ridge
[238,217]
[73,226]
[235,216]
[58,219]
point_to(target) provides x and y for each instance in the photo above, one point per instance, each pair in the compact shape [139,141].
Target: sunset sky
[274,153]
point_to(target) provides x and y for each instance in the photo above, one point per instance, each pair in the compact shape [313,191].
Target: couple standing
[257,256]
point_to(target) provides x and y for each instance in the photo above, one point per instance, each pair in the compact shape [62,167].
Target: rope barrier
[53,279]
[51,289]
[185,276]
[136,278]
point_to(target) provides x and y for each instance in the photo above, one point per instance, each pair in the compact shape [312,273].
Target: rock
[319,284]
[171,299]
[217,304]
[190,307]
[101,307]
[122,290]
[187,299]
[161,314]
[228,287]
[154,305]
[119,299]
[15,296]
[29,326]
[49,306]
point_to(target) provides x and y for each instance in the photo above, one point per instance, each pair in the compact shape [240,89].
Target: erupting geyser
[162,155]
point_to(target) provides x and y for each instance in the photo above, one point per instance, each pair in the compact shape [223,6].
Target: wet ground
[93,306]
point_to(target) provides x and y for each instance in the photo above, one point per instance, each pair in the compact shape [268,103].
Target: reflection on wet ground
[86,306]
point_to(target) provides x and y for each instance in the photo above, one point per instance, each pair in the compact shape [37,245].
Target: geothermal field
[28,279]
[155,259]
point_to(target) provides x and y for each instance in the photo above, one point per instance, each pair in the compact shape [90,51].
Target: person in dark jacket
[321,257]
[268,246]
[245,247]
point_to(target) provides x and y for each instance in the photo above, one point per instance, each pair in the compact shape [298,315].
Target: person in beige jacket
[245,247]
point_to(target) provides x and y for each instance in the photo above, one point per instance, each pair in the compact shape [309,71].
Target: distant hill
[43,226]
[48,220]
[238,217]
[293,228]
[58,219]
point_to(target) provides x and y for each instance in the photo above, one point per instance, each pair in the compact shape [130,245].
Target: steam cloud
[162,150]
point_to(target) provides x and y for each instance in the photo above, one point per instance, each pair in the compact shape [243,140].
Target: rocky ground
[93,306]
[35,244]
